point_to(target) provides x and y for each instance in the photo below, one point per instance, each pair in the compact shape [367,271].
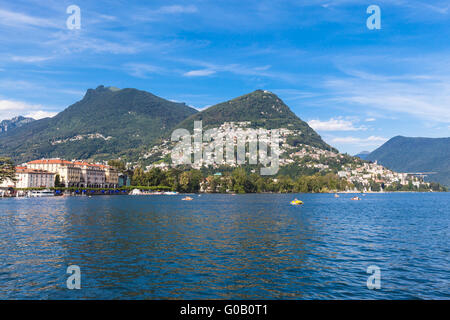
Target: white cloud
[370,119]
[160,14]
[12,108]
[15,19]
[29,59]
[177,9]
[209,68]
[334,125]
[199,73]
[420,95]
[40,114]
[140,70]
[66,43]
[204,108]
[362,142]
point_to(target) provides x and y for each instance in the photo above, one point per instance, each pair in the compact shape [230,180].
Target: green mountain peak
[107,123]
[263,109]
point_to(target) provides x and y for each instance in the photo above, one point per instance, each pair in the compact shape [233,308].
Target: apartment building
[79,173]
[30,178]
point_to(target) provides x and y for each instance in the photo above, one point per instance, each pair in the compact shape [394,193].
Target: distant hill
[106,123]
[363,155]
[264,110]
[405,154]
[8,125]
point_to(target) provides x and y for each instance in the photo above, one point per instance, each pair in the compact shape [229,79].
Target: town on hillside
[295,159]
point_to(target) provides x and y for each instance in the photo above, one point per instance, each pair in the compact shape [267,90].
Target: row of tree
[238,181]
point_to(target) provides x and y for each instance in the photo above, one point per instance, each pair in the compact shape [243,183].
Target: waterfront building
[30,178]
[69,174]
[111,177]
[124,180]
[92,176]
[79,174]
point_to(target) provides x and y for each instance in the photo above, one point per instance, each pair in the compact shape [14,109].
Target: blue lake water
[226,247]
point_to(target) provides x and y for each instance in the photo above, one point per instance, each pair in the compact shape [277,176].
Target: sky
[357,87]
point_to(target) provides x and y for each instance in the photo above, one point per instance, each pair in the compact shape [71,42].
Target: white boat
[41,193]
[136,192]
[170,193]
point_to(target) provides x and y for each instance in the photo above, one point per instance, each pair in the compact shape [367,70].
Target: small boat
[187,199]
[41,193]
[170,193]
[296,202]
[136,192]
[356,198]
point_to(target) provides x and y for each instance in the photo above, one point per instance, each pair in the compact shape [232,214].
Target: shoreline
[207,193]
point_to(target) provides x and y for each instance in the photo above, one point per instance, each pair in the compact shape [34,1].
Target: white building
[79,173]
[30,178]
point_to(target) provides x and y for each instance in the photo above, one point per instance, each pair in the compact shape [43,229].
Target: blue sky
[357,87]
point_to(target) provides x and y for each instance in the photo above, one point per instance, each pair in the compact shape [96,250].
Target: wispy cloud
[159,14]
[71,42]
[20,20]
[174,9]
[29,59]
[361,142]
[423,96]
[199,73]
[334,125]
[141,70]
[209,68]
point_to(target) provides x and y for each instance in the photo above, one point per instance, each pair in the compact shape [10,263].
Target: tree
[57,181]
[260,185]
[155,177]
[190,181]
[119,165]
[138,177]
[239,178]
[285,184]
[7,170]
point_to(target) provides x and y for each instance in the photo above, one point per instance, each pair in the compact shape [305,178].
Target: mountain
[108,122]
[406,154]
[363,155]
[15,122]
[264,110]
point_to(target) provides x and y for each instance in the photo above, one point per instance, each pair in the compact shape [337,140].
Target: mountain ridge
[416,154]
[15,122]
[130,117]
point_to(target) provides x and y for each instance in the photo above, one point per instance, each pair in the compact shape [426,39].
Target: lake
[254,246]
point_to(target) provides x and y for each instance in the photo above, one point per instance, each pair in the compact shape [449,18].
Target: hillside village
[361,175]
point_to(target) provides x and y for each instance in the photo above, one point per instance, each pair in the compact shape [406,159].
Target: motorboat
[170,193]
[41,193]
